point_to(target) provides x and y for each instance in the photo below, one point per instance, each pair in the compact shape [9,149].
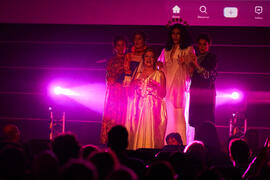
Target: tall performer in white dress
[178,61]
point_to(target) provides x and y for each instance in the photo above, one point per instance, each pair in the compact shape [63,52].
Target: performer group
[149,94]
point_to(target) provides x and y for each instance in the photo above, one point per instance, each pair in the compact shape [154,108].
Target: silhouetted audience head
[196,149]
[252,139]
[36,146]
[66,147]
[105,163]
[11,133]
[177,160]
[239,152]
[123,173]
[118,138]
[174,139]
[195,152]
[12,162]
[160,170]
[211,173]
[78,169]
[207,133]
[46,166]
[87,150]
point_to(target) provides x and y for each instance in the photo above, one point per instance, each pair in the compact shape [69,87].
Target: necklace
[146,73]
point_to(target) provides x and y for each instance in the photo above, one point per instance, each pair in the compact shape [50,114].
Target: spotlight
[59,90]
[231,96]
[235,95]
[90,95]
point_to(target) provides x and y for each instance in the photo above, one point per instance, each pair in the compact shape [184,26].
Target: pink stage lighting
[228,96]
[64,91]
[89,95]
[235,95]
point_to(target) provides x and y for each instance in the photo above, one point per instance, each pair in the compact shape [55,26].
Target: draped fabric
[115,97]
[177,71]
[146,114]
[132,63]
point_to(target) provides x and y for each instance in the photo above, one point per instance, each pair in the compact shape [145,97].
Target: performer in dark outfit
[202,90]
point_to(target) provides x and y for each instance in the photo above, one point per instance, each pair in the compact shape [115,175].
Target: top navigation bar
[222,13]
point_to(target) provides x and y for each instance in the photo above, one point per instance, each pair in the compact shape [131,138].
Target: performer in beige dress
[146,112]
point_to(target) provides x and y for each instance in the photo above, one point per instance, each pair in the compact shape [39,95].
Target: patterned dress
[115,98]
[132,64]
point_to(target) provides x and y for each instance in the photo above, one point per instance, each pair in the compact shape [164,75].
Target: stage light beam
[235,95]
[64,91]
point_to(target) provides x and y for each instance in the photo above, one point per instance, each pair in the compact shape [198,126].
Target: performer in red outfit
[115,98]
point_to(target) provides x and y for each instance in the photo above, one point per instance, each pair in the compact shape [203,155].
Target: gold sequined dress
[146,113]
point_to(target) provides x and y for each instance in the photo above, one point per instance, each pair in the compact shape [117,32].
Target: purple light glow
[235,95]
[64,91]
[258,97]
[228,96]
[91,95]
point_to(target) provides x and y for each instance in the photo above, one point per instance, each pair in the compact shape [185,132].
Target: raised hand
[159,65]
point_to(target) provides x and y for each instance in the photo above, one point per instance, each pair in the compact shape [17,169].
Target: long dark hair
[185,38]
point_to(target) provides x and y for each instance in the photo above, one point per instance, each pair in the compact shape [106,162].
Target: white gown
[177,72]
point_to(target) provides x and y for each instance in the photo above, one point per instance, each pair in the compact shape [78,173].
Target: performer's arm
[134,85]
[258,163]
[193,63]
[127,65]
[161,60]
[209,71]
[110,74]
[127,71]
[212,65]
[162,88]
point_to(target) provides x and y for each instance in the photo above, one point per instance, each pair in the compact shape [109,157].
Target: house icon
[176,9]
